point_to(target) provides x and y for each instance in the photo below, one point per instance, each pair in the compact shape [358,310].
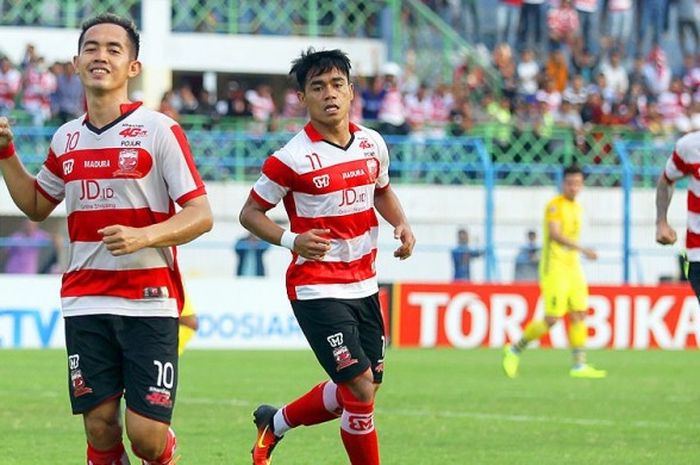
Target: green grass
[436,407]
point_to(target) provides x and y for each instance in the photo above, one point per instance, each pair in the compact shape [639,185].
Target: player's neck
[103,109]
[338,134]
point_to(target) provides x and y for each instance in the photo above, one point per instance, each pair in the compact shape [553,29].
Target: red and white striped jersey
[685,161]
[127,173]
[326,186]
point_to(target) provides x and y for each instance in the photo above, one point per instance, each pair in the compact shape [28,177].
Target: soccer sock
[319,405]
[166,458]
[533,331]
[357,429]
[114,456]
[578,334]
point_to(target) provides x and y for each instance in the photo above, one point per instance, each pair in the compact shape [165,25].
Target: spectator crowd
[559,63]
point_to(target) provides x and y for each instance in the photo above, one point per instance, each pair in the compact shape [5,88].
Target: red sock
[168,453]
[114,456]
[319,405]
[357,429]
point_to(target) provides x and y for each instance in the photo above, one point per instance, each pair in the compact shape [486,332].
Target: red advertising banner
[470,315]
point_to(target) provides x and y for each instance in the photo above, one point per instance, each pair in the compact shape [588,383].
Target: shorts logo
[159,397]
[77,381]
[73,361]
[322,181]
[379,368]
[343,358]
[341,353]
[335,340]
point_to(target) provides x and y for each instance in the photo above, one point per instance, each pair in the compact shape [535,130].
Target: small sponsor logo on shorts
[335,340]
[343,358]
[159,397]
[73,361]
[78,384]
[156,292]
[379,367]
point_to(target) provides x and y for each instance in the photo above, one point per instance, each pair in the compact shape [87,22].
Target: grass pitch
[436,407]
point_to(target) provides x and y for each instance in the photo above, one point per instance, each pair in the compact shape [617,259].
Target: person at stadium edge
[563,284]
[120,168]
[684,161]
[331,176]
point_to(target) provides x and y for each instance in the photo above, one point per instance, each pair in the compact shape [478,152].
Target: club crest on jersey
[128,161]
[68,167]
[322,181]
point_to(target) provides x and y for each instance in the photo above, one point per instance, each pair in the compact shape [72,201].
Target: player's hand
[665,234]
[5,133]
[403,233]
[123,240]
[312,244]
[589,253]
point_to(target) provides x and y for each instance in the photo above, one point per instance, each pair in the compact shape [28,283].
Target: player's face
[105,61]
[328,97]
[573,185]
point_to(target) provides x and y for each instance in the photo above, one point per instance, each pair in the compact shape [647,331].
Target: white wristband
[287,239]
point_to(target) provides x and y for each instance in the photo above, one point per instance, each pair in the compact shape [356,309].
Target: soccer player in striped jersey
[120,169]
[563,284]
[683,162]
[331,177]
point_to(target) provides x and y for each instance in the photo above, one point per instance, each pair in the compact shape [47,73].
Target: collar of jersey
[316,136]
[124,110]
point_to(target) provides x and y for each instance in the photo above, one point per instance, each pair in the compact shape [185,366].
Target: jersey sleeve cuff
[381,190]
[45,194]
[200,191]
[263,203]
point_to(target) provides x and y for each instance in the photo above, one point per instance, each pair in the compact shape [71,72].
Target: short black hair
[312,63]
[573,169]
[110,18]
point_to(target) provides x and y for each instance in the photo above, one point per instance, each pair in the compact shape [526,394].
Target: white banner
[233,313]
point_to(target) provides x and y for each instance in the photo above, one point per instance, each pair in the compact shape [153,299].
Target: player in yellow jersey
[563,284]
[188,325]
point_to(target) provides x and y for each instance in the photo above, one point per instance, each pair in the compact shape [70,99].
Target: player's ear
[302,97]
[134,68]
[75,64]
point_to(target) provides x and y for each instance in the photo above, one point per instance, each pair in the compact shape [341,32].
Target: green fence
[231,151]
[63,13]
[293,17]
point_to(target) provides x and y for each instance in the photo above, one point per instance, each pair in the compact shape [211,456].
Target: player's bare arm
[665,234]
[387,204]
[192,221]
[556,235]
[312,244]
[19,182]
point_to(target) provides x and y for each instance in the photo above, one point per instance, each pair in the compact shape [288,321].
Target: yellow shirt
[567,214]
